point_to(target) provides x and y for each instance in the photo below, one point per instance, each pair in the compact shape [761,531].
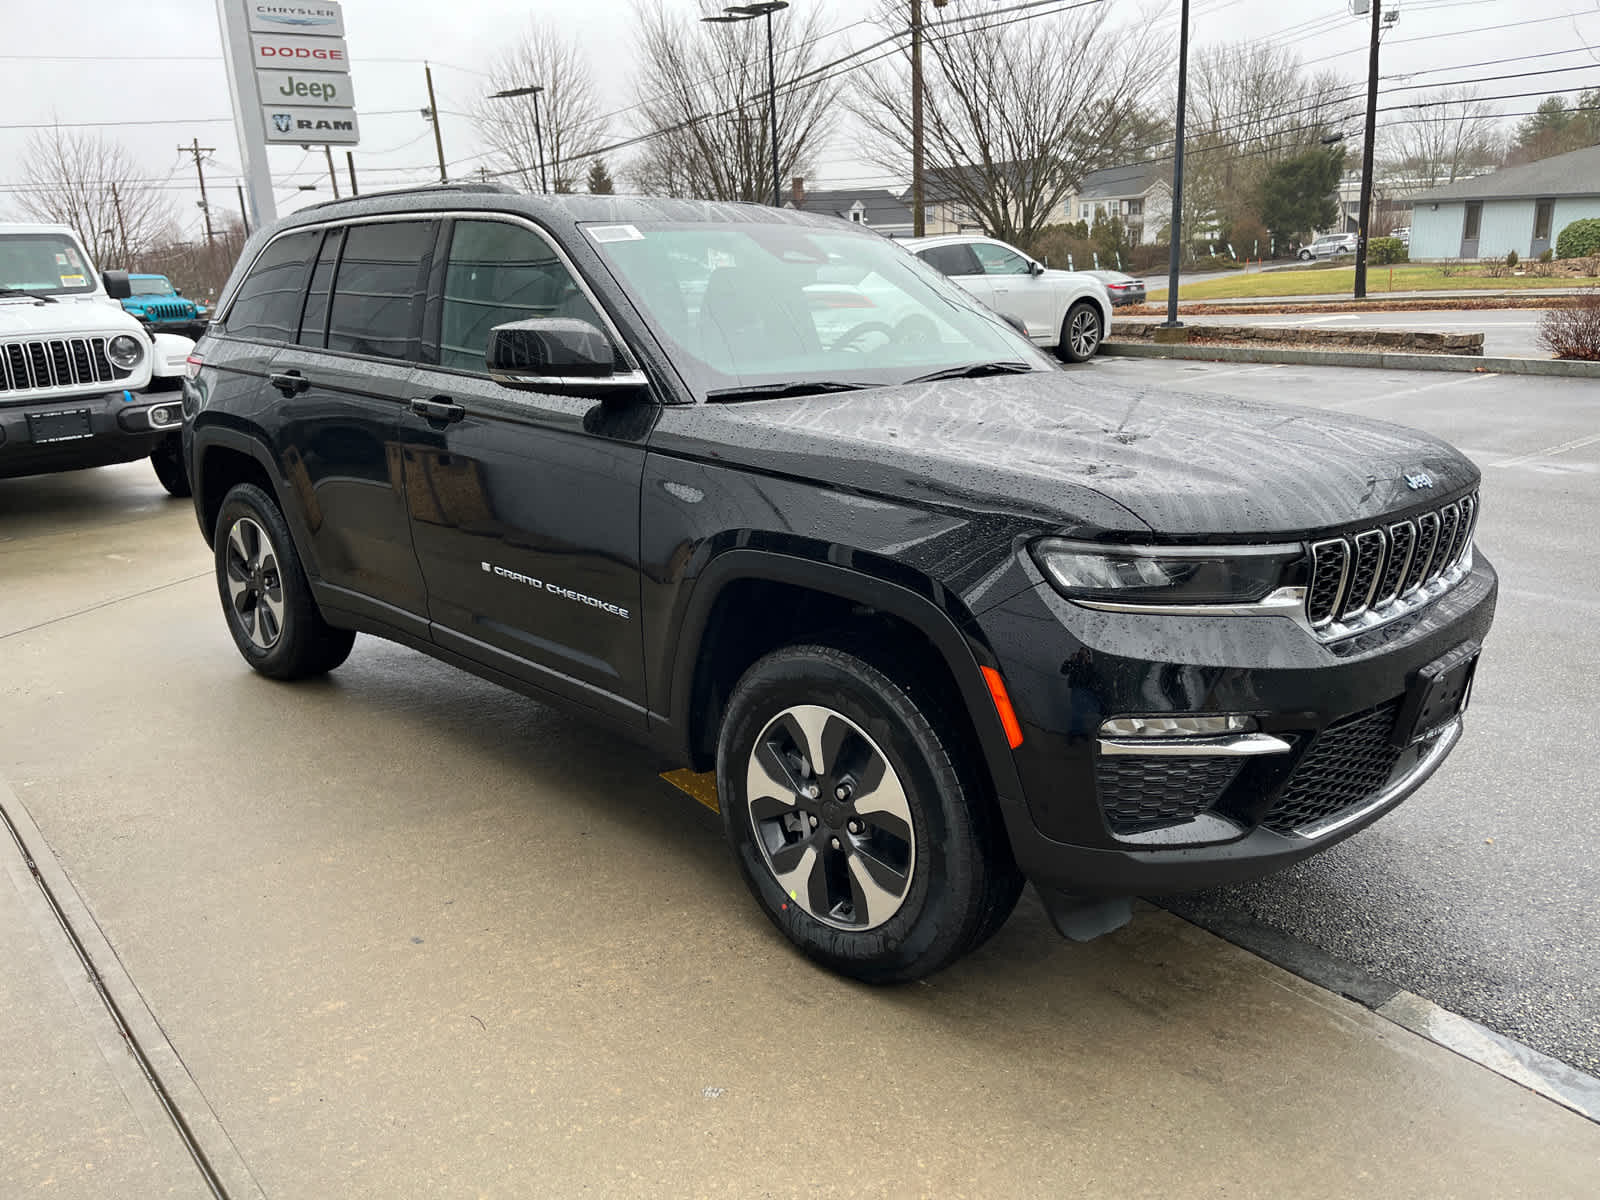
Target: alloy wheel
[830,817]
[255,587]
[1084,332]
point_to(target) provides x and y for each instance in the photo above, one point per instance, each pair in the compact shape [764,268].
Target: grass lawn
[1334,280]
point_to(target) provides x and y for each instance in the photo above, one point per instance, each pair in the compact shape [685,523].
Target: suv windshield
[150,287]
[747,304]
[44,263]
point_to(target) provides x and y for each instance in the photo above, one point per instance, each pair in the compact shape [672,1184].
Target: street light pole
[748,12]
[533,90]
[1363,218]
[1176,223]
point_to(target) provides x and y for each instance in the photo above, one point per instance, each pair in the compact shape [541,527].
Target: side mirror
[1035,269]
[177,291]
[117,285]
[556,354]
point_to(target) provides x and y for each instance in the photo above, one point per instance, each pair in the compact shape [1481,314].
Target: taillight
[194,363]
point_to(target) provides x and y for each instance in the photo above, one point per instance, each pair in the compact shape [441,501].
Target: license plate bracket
[1439,692]
[68,426]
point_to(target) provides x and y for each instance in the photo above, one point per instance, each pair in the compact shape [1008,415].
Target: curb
[1554,367]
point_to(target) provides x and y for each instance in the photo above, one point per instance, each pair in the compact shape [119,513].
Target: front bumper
[123,426]
[1096,818]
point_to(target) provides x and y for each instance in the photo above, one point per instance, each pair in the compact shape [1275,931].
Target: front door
[525,505]
[1471,223]
[343,388]
[1544,212]
[1018,292]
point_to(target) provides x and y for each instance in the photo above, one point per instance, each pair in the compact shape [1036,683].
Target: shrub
[1495,268]
[1511,259]
[1061,245]
[1579,239]
[1547,255]
[1386,250]
[1154,257]
[1543,269]
[1574,332]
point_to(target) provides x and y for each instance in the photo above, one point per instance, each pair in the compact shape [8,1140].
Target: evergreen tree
[600,182]
[1299,194]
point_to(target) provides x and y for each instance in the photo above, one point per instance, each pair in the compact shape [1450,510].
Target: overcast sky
[109,61]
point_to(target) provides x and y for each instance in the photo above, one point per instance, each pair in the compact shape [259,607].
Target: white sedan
[1067,310]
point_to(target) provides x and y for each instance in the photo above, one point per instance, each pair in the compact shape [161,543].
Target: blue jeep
[162,307]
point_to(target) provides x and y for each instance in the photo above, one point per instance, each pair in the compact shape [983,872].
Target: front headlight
[1168,574]
[124,352]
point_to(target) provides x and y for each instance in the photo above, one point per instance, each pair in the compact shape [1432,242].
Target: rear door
[341,391]
[524,505]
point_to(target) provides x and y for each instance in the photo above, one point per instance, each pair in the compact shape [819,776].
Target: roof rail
[420,190]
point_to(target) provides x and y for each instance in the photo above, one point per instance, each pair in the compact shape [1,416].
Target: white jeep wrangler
[81,382]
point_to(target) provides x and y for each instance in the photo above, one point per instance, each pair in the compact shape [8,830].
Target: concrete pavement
[409,934]
[1510,331]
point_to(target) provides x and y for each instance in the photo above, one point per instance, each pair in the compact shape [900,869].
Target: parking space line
[1549,451]
[78,612]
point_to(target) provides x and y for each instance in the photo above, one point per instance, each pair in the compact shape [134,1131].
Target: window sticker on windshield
[61,260]
[72,257]
[72,281]
[615,233]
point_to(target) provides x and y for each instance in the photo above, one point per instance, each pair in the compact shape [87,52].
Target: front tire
[268,604]
[856,819]
[1081,332]
[1305,256]
[167,459]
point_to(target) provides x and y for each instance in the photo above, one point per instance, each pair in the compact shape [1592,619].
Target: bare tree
[199,267]
[570,124]
[1431,146]
[702,102]
[1015,111]
[94,186]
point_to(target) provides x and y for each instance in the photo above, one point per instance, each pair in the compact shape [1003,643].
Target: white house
[1140,195]
[876,208]
[1516,208]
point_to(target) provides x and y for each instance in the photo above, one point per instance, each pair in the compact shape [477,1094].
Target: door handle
[438,410]
[290,383]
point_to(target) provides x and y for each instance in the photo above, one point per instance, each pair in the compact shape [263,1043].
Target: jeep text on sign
[305,89]
[268,16]
[271,52]
[311,126]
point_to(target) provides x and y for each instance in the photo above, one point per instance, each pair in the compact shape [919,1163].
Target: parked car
[161,306]
[1403,233]
[941,616]
[1069,311]
[1122,288]
[1329,245]
[82,384]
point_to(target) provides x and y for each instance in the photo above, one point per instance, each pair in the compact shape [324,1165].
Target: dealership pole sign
[302,73]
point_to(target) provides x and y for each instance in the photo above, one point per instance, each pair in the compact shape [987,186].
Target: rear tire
[266,600]
[1081,332]
[856,819]
[167,459]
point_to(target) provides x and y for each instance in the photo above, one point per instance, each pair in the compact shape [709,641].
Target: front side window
[498,273]
[952,260]
[379,290]
[756,304]
[997,260]
[48,263]
[268,304]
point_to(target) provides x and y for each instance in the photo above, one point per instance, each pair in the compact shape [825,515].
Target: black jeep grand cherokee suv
[764,490]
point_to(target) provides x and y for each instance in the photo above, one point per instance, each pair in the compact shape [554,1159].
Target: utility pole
[199,151]
[1176,223]
[244,211]
[1363,218]
[350,161]
[918,221]
[333,176]
[122,225]
[433,115]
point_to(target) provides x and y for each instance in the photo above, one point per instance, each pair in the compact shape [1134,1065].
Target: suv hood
[1169,462]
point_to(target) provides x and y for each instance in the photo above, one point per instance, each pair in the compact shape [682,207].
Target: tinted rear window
[379,292]
[314,324]
[268,305]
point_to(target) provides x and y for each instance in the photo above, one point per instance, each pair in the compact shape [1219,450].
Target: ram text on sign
[324,20]
[311,126]
[305,89]
[272,52]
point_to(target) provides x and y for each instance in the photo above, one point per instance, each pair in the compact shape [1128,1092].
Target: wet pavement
[400,932]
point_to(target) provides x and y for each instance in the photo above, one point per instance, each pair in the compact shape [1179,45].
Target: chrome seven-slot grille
[55,362]
[1387,566]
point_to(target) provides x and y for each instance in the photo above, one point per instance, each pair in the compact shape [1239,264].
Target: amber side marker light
[1002,706]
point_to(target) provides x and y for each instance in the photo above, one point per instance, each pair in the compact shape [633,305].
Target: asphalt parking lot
[403,933]
[1479,891]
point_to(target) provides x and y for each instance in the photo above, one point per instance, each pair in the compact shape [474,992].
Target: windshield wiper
[772,391]
[10,291]
[974,370]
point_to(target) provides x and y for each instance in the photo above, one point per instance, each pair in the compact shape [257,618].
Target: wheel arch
[799,598]
[224,457]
